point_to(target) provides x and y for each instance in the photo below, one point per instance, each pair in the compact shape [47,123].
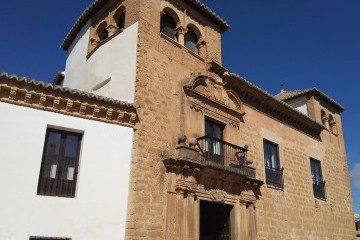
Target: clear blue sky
[301,43]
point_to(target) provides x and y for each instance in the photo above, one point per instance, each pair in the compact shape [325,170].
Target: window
[213,143]
[102,32]
[59,167]
[332,124]
[323,117]
[168,26]
[318,183]
[120,22]
[191,40]
[274,175]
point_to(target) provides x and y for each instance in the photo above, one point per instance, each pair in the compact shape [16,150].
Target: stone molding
[47,97]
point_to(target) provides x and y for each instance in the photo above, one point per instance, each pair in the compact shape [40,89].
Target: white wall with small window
[62,176]
[115,60]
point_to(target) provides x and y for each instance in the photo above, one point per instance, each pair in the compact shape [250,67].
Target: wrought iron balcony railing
[218,153]
[274,176]
[319,189]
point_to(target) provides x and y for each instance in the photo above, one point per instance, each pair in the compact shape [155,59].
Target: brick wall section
[163,68]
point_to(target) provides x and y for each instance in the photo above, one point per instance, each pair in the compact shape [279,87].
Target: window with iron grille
[317,179]
[274,174]
[59,166]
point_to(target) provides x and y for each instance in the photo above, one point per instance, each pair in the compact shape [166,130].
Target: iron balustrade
[274,176]
[319,189]
[222,154]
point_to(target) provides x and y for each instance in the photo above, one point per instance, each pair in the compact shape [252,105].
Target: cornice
[39,95]
[264,102]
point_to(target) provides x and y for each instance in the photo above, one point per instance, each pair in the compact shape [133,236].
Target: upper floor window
[317,179]
[332,124]
[273,172]
[191,40]
[102,32]
[59,166]
[168,26]
[323,117]
[120,19]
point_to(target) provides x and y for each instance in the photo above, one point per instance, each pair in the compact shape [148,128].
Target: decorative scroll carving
[218,196]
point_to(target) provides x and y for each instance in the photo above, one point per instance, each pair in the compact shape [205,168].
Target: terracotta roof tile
[66,90]
[289,95]
[97,4]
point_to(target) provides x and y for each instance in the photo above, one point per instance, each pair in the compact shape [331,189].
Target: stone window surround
[181,31]
[110,19]
[328,120]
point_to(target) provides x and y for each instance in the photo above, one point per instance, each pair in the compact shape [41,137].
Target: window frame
[273,174]
[165,20]
[56,183]
[317,180]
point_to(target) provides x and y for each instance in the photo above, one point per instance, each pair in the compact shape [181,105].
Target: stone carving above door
[213,89]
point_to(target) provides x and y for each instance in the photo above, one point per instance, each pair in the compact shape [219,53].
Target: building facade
[65,157]
[213,156]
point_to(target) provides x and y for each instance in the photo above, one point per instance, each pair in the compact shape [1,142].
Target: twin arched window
[120,19]
[168,26]
[191,40]
[102,31]
[323,117]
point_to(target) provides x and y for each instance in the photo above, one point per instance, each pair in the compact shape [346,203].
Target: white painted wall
[116,59]
[98,212]
[299,104]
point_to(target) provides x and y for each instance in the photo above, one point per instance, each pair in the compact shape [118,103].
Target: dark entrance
[214,221]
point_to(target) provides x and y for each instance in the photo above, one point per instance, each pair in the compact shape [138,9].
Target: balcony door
[214,137]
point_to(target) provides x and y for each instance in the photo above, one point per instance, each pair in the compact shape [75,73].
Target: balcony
[274,176]
[220,154]
[319,189]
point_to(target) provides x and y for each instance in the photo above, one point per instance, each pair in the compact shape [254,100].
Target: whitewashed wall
[98,212]
[299,104]
[116,59]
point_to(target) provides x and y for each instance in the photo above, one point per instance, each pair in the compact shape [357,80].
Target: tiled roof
[97,4]
[270,98]
[289,95]
[66,90]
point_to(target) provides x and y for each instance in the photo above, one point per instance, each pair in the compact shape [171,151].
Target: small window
[273,172]
[120,22]
[59,167]
[191,40]
[317,179]
[168,26]
[323,117]
[332,124]
[102,32]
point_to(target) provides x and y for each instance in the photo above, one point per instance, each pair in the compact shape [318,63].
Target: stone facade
[175,91]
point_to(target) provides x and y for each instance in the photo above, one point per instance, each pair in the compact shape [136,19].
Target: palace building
[146,135]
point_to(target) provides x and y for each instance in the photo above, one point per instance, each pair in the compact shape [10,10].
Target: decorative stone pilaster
[181,31]
[202,49]
[111,29]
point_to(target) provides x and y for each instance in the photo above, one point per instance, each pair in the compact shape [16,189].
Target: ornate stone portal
[190,181]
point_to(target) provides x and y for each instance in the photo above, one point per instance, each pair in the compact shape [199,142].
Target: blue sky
[300,43]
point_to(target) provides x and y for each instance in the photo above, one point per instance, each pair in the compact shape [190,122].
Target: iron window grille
[273,172]
[317,179]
